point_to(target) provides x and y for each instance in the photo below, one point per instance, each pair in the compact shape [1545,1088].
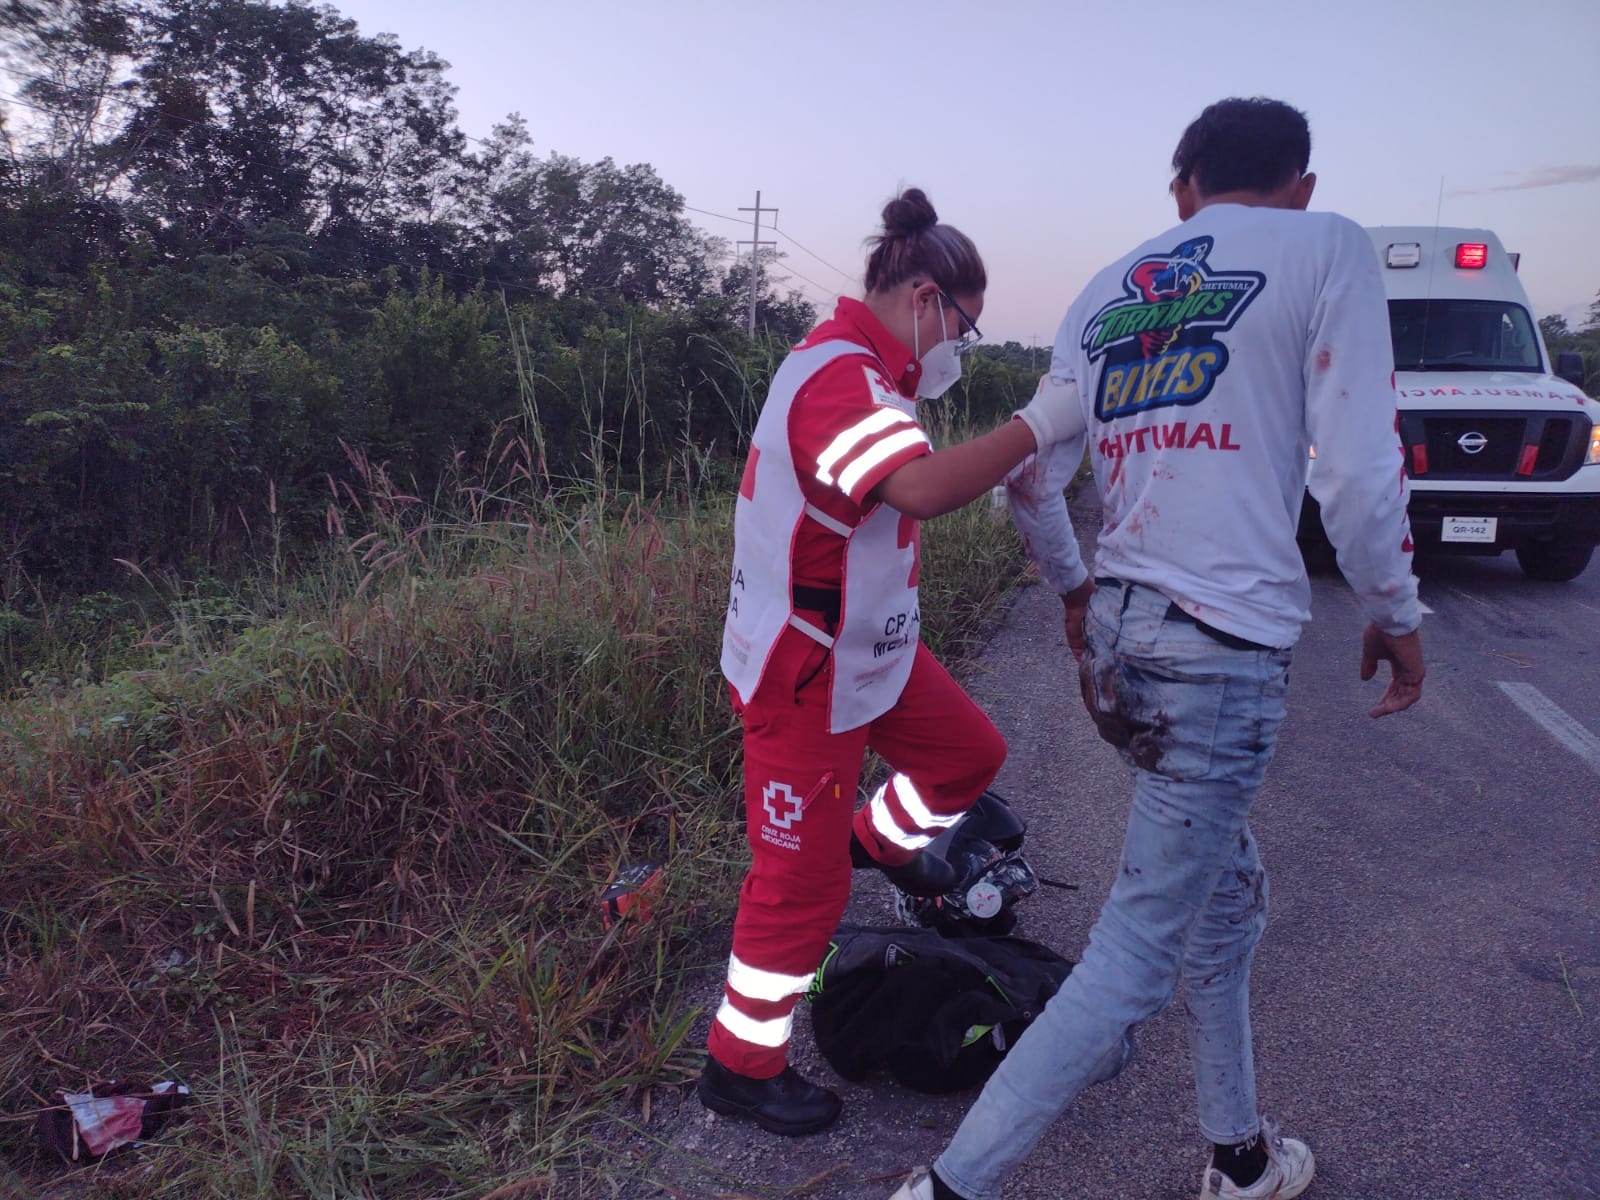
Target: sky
[1044,130]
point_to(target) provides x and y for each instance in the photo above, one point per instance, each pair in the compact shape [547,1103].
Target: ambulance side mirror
[1569,366]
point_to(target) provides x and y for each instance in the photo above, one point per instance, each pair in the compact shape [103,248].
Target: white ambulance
[1503,452]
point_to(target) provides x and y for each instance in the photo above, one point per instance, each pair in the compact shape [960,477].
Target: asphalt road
[1427,996]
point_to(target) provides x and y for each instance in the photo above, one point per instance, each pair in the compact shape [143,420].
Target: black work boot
[785,1104]
[925,875]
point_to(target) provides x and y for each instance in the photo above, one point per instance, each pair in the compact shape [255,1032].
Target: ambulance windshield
[1462,335]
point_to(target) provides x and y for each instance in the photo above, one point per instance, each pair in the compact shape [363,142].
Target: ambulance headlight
[1593,456]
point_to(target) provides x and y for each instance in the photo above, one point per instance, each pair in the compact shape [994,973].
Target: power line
[25,103]
[781,233]
[818,257]
[709,213]
[825,294]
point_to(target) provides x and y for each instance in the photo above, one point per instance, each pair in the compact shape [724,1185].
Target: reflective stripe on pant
[800,790]
[1196,722]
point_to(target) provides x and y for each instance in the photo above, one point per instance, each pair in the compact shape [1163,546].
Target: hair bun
[908,213]
[914,245]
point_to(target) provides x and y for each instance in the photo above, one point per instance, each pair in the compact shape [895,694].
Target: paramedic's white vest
[879,619]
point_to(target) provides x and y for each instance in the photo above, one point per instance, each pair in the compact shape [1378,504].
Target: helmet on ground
[985,848]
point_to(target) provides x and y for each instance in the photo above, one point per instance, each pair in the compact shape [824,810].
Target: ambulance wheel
[1551,563]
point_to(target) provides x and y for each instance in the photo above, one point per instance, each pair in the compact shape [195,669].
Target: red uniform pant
[800,792]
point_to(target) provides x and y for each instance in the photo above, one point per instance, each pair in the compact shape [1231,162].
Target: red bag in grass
[94,1123]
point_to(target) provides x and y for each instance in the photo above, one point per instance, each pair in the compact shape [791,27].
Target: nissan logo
[1472,442]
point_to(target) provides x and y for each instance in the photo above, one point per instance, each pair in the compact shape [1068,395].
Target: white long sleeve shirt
[1208,361]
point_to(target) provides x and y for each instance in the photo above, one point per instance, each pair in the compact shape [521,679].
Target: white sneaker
[1289,1170]
[918,1186]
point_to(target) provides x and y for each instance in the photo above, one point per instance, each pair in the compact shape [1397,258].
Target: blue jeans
[1196,721]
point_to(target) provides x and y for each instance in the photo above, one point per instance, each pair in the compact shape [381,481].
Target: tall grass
[333,862]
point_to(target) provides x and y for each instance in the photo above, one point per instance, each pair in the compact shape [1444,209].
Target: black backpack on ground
[937,1013]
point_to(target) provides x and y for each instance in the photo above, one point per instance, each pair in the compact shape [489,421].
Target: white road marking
[1474,599]
[1555,721]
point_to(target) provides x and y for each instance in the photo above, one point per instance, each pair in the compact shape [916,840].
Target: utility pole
[755,245]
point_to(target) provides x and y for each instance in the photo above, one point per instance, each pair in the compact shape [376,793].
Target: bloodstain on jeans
[1119,715]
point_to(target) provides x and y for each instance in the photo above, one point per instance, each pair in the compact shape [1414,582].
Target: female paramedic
[821,642]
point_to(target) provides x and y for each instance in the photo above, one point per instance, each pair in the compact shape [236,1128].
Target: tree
[70,60]
[1555,331]
[59,182]
[238,235]
[251,113]
[502,227]
[1560,338]
[619,230]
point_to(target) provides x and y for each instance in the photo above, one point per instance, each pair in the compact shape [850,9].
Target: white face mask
[941,366]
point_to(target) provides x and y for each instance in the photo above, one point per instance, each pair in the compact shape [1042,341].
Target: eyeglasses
[972,336]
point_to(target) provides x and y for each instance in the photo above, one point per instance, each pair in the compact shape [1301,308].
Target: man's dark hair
[1255,145]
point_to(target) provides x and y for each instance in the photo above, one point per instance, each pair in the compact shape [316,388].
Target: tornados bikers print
[1159,339]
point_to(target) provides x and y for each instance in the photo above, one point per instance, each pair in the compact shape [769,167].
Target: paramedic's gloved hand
[1054,414]
[1076,602]
[1404,654]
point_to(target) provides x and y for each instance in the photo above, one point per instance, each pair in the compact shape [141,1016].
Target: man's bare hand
[1404,654]
[1076,602]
